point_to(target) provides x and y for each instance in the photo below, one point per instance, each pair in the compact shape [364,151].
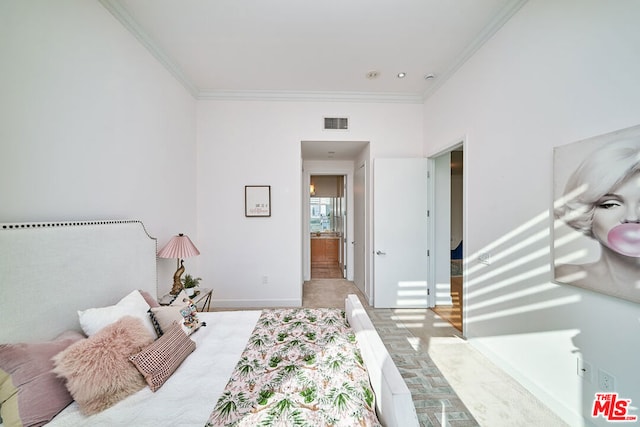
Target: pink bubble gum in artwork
[625,239]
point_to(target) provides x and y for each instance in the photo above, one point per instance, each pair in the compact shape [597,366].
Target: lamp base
[175,290]
[177,282]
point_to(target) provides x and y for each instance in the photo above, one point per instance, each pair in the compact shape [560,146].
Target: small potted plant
[190,283]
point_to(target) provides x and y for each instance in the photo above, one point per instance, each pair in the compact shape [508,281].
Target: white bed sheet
[189,396]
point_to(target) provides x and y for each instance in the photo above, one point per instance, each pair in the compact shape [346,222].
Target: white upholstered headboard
[48,271]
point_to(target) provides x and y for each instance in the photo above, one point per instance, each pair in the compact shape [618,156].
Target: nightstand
[203,297]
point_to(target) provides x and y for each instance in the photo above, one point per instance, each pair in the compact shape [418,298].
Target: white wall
[91,126]
[259,142]
[557,72]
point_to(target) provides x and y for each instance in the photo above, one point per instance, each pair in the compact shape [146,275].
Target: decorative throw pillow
[182,310]
[30,392]
[181,299]
[159,360]
[154,322]
[148,298]
[94,319]
[97,369]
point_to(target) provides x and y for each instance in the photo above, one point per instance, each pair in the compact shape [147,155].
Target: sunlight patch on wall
[498,256]
[505,268]
[511,236]
[525,309]
[519,257]
[513,295]
[513,248]
[511,280]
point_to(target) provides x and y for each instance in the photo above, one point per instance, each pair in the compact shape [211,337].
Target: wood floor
[326,271]
[453,314]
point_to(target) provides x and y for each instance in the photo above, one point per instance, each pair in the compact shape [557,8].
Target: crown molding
[122,15]
[326,96]
[510,9]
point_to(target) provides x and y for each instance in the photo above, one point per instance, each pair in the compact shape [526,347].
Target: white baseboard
[255,303]
[569,415]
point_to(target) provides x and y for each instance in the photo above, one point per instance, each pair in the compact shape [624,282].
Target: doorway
[450,306]
[340,158]
[327,209]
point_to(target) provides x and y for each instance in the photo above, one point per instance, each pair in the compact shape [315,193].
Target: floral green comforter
[301,367]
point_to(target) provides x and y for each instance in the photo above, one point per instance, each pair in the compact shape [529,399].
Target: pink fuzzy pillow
[97,369]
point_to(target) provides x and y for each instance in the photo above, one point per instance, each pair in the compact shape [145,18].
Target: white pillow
[94,319]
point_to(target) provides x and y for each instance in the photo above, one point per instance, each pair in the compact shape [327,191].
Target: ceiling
[310,49]
[339,50]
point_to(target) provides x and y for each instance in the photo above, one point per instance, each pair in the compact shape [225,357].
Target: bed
[54,275]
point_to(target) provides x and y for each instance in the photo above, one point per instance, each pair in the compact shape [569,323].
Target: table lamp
[179,247]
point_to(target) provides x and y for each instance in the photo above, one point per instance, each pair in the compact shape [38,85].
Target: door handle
[380,253]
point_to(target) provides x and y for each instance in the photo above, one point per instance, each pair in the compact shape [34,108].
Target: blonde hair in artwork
[599,173]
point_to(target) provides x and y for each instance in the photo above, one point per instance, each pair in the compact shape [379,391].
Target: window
[322,214]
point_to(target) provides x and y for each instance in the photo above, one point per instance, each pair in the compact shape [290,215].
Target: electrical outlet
[265,280]
[606,381]
[585,370]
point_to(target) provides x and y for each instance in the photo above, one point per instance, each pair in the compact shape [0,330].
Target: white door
[359,228]
[442,231]
[400,233]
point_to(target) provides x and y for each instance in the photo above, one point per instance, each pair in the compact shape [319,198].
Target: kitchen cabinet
[325,250]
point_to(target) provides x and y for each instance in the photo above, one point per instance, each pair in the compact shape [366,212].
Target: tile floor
[452,383]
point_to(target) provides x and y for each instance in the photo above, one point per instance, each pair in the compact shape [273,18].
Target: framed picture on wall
[596,233]
[257,200]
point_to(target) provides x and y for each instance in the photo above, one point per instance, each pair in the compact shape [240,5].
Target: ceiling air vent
[340,123]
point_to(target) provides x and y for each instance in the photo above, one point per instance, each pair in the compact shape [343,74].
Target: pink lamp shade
[180,247]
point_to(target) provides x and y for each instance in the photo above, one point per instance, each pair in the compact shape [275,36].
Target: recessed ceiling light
[429,76]
[402,75]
